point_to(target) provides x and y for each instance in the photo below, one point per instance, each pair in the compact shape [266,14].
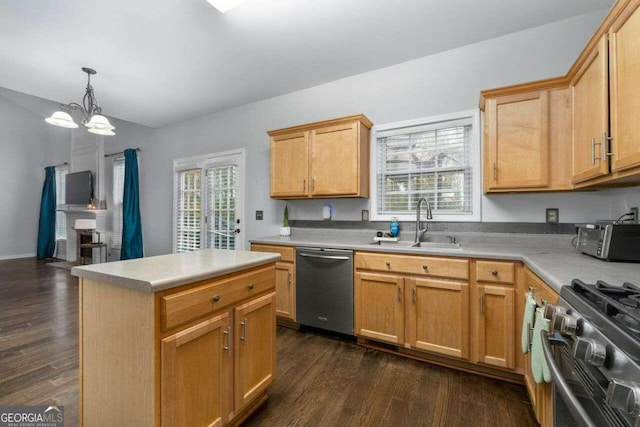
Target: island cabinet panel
[195,374]
[438,316]
[379,307]
[255,348]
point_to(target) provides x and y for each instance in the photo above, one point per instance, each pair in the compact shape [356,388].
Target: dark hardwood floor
[320,381]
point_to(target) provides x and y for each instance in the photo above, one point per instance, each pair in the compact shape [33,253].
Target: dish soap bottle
[394,227]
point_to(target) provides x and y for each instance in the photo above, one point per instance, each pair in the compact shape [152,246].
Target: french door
[208,202]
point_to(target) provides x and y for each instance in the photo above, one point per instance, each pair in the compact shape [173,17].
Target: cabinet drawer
[427,266]
[181,307]
[287,253]
[495,272]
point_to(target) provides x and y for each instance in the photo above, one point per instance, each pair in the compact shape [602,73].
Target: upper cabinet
[526,137]
[576,131]
[321,160]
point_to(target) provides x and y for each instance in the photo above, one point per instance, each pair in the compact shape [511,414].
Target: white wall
[27,146]
[438,84]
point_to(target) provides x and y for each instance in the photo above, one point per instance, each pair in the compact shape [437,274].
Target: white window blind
[118,193]
[188,210]
[434,160]
[221,207]
[61,218]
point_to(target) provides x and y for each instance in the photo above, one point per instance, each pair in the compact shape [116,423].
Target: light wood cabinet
[438,316]
[255,348]
[526,137]
[541,395]
[285,279]
[199,354]
[379,307]
[195,374]
[320,160]
[590,115]
[495,329]
[403,300]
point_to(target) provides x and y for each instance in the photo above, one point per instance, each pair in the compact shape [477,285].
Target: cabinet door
[590,116]
[196,375]
[290,165]
[379,307]
[624,68]
[518,141]
[285,290]
[255,345]
[438,313]
[334,153]
[495,330]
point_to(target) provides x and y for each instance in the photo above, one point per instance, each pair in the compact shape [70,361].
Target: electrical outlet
[365,215]
[259,215]
[634,213]
[552,216]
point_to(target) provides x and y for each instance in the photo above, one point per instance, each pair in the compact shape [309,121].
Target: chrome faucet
[420,231]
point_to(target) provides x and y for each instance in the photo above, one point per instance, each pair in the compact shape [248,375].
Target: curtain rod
[61,164]
[120,152]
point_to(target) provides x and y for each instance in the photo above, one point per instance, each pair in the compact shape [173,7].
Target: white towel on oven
[539,367]
[527,321]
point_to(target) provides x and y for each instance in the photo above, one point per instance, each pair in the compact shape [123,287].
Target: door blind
[432,161]
[61,217]
[118,194]
[221,207]
[188,210]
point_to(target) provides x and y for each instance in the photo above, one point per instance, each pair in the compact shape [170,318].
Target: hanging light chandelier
[92,117]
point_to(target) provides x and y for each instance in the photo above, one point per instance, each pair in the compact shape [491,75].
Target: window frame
[204,162]
[476,166]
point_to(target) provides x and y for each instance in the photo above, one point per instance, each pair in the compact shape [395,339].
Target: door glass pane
[188,214]
[221,207]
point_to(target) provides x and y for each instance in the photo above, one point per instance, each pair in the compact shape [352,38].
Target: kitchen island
[182,339]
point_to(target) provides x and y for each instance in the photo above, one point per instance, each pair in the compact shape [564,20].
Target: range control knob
[550,310]
[564,324]
[624,395]
[589,350]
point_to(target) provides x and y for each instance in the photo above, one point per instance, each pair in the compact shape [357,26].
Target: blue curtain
[131,224]
[47,222]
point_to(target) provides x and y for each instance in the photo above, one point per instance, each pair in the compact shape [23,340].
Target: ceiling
[164,61]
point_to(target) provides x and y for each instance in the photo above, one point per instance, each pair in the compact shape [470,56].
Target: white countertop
[161,272]
[551,257]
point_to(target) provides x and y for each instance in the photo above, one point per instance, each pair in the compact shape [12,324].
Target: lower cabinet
[196,371]
[379,307]
[438,316]
[285,279]
[495,329]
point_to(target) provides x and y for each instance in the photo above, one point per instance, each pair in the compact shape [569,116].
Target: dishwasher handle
[324,256]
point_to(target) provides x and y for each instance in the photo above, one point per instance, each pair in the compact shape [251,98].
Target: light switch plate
[365,215]
[553,216]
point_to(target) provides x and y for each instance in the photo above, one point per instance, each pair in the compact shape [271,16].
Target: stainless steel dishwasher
[324,289]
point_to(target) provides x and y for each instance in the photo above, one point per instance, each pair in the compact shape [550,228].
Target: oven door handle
[576,409]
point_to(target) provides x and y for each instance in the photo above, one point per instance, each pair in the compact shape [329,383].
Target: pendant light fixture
[91,112]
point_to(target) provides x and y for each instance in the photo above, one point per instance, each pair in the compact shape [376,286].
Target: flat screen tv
[79,188]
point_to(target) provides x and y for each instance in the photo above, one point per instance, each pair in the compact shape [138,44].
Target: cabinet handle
[593,151]
[313,185]
[413,295]
[605,138]
[495,171]
[494,272]
[215,298]
[388,264]
[399,294]
[289,280]
[482,304]
[304,184]
[244,325]
[227,333]
[251,286]
[425,267]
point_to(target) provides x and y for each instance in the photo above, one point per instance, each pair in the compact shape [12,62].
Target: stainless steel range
[593,352]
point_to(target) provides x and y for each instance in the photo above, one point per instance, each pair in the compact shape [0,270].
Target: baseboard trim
[17,256]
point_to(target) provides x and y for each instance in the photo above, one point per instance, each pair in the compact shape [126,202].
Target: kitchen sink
[410,244]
